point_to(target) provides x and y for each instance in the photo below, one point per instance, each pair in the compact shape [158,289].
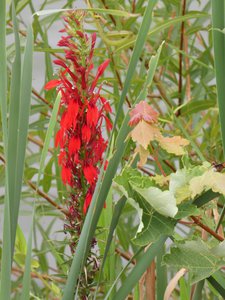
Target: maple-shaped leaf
[143,153]
[174,145]
[143,133]
[209,180]
[143,111]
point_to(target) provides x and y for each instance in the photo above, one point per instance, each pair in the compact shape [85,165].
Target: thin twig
[206,228]
[125,255]
[180,83]
[46,197]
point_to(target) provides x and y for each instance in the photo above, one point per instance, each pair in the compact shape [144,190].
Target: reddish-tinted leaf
[143,111]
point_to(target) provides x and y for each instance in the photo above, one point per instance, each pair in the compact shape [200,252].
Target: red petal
[59,140]
[92,115]
[52,83]
[90,173]
[66,175]
[100,71]
[87,202]
[86,133]
[60,63]
[74,145]
[61,157]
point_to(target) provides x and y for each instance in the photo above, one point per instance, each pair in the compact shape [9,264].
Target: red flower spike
[86,133]
[82,113]
[74,145]
[52,84]
[143,111]
[90,173]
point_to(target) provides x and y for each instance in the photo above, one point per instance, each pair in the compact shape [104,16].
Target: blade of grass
[218,15]
[6,261]
[217,280]
[198,290]
[114,12]
[141,266]
[13,123]
[101,194]
[161,274]
[23,123]
[120,274]
[27,276]
[116,215]
[3,73]
[49,133]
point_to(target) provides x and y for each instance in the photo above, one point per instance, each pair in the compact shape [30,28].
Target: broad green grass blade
[120,274]
[100,195]
[217,280]
[114,12]
[23,123]
[3,73]
[161,274]
[6,261]
[198,290]
[49,133]
[116,215]
[218,15]
[27,276]
[141,266]
[13,123]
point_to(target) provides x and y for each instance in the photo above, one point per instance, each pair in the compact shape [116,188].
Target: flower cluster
[83,110]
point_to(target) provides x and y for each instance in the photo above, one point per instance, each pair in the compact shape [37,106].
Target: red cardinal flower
[82,113]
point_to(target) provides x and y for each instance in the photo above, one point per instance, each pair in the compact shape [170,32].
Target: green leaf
[180,181]
[196,106]
[209,180]
[162,201]
[218,16]
[139,269]
[155,226]
[196,257]
[114,12]
[48,136]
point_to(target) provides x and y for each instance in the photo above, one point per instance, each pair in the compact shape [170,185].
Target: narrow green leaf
[141,266]
[49,133]
[27,276]
[23,123]
[13,123]
[217,280]
[3,73]
[114,12]
[218,19]
[161,274]
[198,290]
[115,218]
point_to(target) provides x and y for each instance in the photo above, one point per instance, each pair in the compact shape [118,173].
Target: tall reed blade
[218,19]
